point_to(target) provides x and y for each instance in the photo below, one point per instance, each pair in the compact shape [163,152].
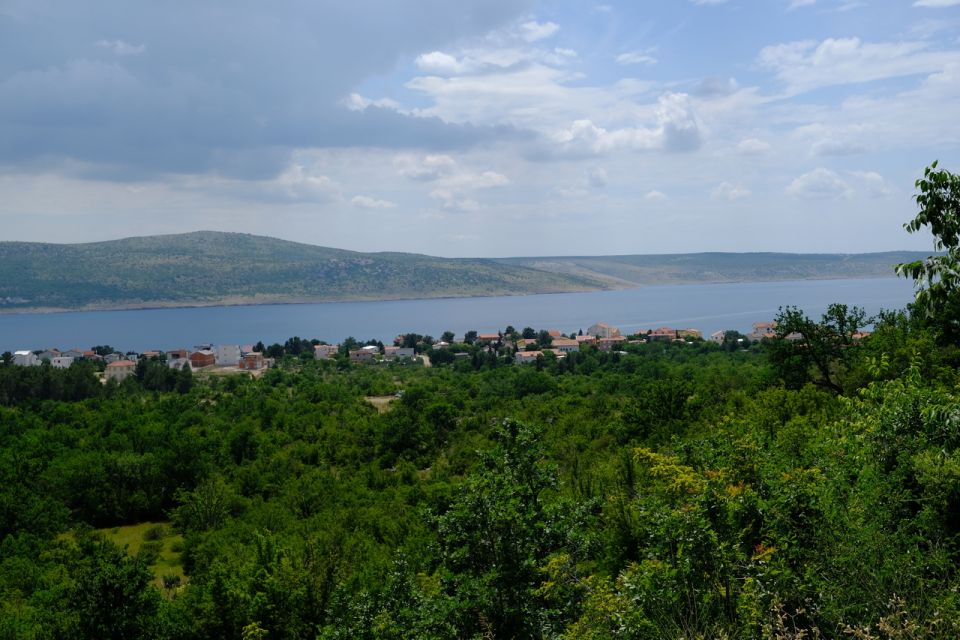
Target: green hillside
[209,268]
[205,268]
[686,268]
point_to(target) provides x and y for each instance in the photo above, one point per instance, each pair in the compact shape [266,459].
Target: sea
[707,307]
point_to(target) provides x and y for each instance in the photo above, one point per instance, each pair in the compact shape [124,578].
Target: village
[525,347]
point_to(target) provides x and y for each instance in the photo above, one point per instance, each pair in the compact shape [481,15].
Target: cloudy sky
[478,127]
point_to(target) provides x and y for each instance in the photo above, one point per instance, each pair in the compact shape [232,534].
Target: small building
[363,355]
[61,362]
[151,354]
[612,343]
[488,338]
[113,357]
[325,351]
[763,331]
[73,353]
[26,359]
[663,334]
[49,354]
[586,339]
[565,345]
[603,330]
[526,357]
[252,361]
[227,355]
[203,358]
[554,333]
[694,334]
[177,358]
[395,353]
[120,370]
[718,337]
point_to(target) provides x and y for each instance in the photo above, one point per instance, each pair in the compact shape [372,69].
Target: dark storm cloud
[231,87]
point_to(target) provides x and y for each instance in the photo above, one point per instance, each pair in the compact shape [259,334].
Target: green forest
[794,488]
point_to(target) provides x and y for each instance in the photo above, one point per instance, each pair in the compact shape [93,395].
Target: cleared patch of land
[156,539]
[381,403]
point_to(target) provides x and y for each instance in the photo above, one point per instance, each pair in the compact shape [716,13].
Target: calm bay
[708,307]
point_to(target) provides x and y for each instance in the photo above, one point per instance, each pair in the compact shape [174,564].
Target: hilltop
[214,268]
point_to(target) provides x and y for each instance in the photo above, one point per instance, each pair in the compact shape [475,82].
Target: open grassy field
[157,539]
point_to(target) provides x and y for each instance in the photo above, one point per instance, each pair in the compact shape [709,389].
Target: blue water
[708,307]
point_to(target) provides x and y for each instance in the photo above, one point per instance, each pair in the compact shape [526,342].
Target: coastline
[246,301]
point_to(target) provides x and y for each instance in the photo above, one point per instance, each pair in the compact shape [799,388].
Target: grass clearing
[381,403]
[159,536]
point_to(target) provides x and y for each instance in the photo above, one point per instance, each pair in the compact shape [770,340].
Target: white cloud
[872,184]
[598,177]
[837,147]
[796,4]
[636,57]
[533,31]
[451,202]
[820,183]
[730,192]
[807,65]
[936,4]
[356,102]
[677,130]
[440,62]
[753,146]
[368,202]
[429,167]
[655,196]
[121,48]
[708,2]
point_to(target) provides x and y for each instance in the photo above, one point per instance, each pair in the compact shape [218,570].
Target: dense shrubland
[680,490]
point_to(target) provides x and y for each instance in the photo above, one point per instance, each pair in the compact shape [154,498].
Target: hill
[213,268]
[688,268]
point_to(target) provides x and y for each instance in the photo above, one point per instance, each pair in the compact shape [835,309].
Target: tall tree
[937,279]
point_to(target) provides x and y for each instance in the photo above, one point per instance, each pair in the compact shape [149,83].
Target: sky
[479,127]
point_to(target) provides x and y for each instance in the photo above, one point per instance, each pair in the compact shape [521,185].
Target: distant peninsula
[208,268]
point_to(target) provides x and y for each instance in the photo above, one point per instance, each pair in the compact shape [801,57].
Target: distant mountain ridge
[215,268]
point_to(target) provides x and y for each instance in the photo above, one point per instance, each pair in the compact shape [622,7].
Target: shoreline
[243,302]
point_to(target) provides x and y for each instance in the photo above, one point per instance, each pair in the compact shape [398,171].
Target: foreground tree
[819,352]
[937,279]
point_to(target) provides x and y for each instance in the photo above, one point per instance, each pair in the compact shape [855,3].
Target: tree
[528,333]
[470,337]
[937,279]
[112,593]
[447,336]
[818,352]
[496,534]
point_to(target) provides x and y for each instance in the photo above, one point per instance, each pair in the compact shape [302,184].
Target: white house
[325,351]
[718,336]
[25,359]
[61,362]
[523,357]
[121,370]
[391,353]
[565,345]
[228,355]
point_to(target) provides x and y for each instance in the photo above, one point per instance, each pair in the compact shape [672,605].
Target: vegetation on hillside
[206,268]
